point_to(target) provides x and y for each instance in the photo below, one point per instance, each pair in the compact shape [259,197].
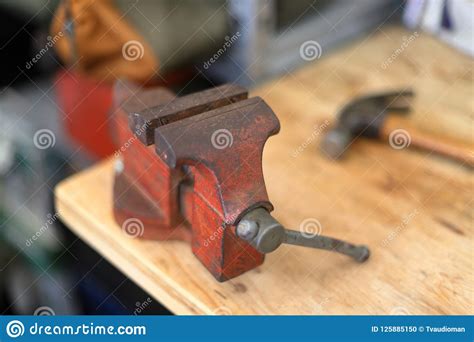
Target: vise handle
[266,234]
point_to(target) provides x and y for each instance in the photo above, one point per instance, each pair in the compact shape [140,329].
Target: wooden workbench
[414,210]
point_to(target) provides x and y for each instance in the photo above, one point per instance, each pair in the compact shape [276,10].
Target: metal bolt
[247,229]
[118,166]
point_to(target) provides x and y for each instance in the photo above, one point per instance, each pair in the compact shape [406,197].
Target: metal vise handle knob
[266,234]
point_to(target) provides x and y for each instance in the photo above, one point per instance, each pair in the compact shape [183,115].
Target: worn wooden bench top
[414,210]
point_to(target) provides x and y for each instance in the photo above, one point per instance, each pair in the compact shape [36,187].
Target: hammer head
[363,116]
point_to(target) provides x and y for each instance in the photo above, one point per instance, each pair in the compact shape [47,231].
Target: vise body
[190,168]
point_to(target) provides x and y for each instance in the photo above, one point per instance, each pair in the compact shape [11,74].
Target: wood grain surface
[414,210]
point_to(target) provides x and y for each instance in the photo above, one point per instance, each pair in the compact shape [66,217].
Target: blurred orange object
[96,39]
[85,104]
[99,46]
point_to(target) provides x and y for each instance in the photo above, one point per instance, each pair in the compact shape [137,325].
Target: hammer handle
[395,128]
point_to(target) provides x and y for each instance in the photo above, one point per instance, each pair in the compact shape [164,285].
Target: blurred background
[58,62]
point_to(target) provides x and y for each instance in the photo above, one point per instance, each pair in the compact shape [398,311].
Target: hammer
[369,116]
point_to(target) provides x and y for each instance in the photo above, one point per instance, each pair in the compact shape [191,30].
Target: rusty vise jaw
[215,138]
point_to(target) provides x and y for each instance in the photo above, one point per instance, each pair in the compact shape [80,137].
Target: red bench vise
[190,168]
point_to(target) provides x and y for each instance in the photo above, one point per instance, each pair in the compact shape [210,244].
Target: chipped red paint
[192,188]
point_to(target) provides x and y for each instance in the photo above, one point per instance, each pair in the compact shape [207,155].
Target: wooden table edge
[167,292]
